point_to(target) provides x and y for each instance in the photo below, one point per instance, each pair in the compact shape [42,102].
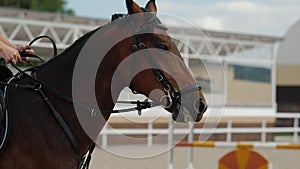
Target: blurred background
[244,54]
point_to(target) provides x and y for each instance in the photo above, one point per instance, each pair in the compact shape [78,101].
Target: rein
[83,162]
[141,105]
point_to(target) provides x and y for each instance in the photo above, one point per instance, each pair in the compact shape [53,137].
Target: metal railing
[228,130]
[263,130]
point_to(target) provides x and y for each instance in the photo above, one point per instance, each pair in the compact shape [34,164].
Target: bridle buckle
[168,97]
[142,45]
[134,48]
[160,78]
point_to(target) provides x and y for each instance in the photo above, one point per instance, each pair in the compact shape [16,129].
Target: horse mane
[76,46]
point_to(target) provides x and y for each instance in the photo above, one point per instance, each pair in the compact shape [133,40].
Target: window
[252,74]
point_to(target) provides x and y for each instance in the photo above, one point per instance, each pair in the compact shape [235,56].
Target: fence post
[264,130]
[228,133]
[295,135]
[190,149]
[150,135]
[170,144]
[104,136]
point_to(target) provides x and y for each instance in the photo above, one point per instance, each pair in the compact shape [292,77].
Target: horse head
[157,68]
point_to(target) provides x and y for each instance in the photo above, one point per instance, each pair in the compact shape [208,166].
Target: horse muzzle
[188,112]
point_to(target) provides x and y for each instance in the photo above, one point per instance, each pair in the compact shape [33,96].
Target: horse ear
[132,7]
[116,16]
[151,6]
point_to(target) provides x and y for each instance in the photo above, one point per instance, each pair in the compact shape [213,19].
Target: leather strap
[61,122]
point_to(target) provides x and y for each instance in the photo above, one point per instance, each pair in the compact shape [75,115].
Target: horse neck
[58,73]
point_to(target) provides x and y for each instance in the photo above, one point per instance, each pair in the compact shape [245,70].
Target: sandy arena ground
[204,158]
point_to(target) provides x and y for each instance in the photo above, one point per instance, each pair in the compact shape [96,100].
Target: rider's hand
[25,49]
[9,54]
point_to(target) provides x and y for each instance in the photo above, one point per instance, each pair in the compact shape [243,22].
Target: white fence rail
[229,130]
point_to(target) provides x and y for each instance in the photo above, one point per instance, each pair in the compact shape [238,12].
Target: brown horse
[38,137]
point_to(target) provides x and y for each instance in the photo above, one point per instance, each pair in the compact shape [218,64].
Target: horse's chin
[184,116]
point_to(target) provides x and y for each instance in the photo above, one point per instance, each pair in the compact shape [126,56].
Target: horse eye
[163,47]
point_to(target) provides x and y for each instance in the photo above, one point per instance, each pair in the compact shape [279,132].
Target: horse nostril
[200,105]
[203,106]
[199,117]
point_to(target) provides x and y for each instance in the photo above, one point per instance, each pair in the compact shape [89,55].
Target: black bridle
[172,95]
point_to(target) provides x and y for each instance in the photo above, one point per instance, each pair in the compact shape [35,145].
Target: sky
[262,17]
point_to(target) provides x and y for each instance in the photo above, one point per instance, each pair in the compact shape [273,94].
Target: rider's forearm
[6,41]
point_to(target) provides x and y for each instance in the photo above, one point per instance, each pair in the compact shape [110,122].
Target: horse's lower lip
[184,117]
[181,118]
[187,114]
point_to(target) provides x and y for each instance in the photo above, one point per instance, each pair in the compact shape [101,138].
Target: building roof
[288,52]
[228,35]
[48,16]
